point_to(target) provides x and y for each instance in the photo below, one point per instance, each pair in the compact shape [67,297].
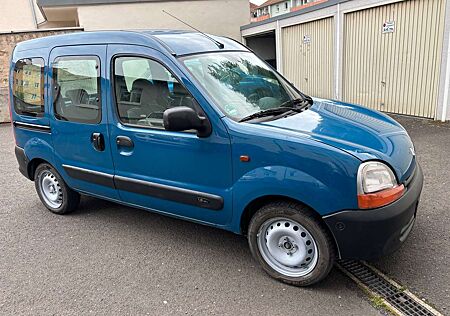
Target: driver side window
[145,89]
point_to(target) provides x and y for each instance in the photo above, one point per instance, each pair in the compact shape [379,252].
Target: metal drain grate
[400,300]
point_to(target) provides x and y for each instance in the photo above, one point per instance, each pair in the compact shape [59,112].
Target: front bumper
[369,234]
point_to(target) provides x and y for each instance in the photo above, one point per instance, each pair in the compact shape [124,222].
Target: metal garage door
[308,56]
[392,57]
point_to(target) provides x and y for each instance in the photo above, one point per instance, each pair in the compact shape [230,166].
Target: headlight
[375,176]
[377,185]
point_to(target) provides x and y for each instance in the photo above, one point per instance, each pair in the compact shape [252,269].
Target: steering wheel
[231,74]
[257,95]
[253,98]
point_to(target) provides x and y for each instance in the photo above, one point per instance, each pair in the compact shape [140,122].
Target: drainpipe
[338,55]
[278,48]
[33,13]
[446,86]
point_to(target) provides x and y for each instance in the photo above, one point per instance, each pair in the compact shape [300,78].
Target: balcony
[259,18]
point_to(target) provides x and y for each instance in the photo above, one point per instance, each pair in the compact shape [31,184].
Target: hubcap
[50,189]
[287,247]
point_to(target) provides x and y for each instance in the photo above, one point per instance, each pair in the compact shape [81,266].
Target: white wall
[216,17]
[16,15]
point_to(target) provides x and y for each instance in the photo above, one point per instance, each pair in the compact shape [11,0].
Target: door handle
[124,141]
[98,141]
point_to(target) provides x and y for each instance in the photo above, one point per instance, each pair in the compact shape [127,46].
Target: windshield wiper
[270,112]
[298,103]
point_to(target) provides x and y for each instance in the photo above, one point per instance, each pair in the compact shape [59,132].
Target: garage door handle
[124,141]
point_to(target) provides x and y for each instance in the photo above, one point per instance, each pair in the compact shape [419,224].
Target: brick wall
[7,43]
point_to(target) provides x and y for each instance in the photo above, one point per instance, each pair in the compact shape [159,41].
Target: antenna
[219,44]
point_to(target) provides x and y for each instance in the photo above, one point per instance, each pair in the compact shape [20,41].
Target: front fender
[289,164]
[287,182]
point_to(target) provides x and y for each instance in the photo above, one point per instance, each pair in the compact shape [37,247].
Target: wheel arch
[253,206]
[33,164]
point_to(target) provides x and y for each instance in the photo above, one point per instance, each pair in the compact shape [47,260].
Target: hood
[361,132]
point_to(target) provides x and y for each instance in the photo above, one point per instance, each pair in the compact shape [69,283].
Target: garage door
[307,51]
[392,57]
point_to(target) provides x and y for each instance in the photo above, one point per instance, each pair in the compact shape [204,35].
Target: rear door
[80,120]
[29,101]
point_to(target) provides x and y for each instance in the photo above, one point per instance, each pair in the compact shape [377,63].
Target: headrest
[141,84]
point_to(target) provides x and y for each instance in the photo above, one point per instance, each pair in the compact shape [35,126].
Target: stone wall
[7,43]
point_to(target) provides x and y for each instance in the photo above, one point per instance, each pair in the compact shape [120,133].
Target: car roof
[174,42]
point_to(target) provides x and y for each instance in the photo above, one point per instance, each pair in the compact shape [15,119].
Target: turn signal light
[381,198]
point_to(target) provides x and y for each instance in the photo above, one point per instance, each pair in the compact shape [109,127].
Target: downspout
[278,47]
[338,50]
[33,13]
[446,87]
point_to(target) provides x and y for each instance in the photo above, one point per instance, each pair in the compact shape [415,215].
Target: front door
[171,172]
[79,119]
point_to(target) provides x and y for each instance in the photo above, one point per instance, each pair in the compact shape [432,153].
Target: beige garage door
[392,57]
[308,56]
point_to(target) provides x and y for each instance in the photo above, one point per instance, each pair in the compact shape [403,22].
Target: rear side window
[28,87]
[76,86]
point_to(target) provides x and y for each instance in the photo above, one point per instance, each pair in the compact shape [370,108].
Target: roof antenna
[219,44]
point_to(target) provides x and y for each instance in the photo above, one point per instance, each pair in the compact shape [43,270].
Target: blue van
[198,127]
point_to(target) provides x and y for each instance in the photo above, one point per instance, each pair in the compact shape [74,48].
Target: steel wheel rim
[50,189]
[287,247]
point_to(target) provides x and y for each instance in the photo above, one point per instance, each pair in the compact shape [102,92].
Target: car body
[219,170]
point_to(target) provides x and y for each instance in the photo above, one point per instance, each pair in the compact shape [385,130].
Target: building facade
[272,8]
[220,17]
[389,55]
[22,20]
[26,19]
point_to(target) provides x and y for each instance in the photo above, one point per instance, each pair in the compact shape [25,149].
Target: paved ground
[423,263]
[110,259]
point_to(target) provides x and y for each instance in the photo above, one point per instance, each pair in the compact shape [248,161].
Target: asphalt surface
[110,259]
[423,263]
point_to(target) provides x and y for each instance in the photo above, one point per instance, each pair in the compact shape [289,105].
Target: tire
[290,244]
[54,193]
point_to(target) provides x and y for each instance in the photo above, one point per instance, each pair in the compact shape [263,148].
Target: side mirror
[183,118]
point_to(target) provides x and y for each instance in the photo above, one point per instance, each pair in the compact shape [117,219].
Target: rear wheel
[291,244]
[53,191]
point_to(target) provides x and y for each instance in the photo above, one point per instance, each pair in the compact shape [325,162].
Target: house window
[285,5]
[29,99]
[278,8]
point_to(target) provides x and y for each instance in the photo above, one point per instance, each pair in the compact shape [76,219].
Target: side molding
[92,176]
[160,191]
[165,192]
[33,127]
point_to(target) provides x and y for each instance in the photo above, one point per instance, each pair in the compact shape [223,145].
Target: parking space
[423,263]
[107,258]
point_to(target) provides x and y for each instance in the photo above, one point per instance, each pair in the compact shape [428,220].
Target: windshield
[240,83]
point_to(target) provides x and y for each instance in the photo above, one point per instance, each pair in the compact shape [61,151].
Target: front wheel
[291,244]
[53,191]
